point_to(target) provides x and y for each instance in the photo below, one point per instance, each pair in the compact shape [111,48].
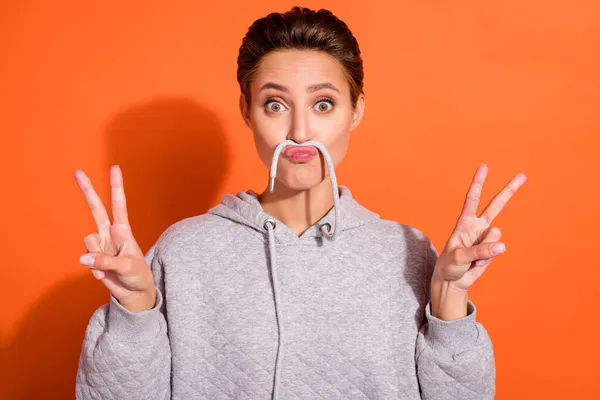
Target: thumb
[481,251]
[103,262]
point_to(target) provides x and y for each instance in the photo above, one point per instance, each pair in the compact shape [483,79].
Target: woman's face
[301,95]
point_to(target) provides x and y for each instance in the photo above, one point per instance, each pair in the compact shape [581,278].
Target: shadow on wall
[174,159]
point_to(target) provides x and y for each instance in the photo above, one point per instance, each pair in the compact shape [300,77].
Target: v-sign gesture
[114,256]
[472,246]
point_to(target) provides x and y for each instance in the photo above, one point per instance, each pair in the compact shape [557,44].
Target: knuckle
[102,261]
[92,242]
[121,230]
[500,199]
[485,218]
[481,251]
[496,232]
[91,237]
[477,186]
[472,198]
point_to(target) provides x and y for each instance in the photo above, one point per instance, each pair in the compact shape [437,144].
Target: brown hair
[301,29]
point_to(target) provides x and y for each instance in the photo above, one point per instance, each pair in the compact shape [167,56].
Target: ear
[359,111]
[245,110]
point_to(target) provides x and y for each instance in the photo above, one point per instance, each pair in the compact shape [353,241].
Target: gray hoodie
[246,309]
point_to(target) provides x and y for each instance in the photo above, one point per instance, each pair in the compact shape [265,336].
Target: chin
[301,177]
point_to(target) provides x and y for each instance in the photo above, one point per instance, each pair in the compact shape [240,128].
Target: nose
[300,127]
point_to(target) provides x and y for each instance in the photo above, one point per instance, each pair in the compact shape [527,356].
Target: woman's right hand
[114,256]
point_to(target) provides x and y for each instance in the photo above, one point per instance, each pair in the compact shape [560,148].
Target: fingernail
[98,274]
[498,248]
[87,260]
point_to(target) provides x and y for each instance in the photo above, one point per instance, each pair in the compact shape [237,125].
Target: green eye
[324,106]
[274,106]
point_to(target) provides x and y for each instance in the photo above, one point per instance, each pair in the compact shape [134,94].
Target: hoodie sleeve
[127,355]
[455,359]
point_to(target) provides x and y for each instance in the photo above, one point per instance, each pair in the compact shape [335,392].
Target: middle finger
[500,200]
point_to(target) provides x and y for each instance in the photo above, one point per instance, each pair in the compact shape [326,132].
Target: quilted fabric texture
[355,313]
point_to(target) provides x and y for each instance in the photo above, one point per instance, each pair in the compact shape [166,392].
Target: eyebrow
[310,89]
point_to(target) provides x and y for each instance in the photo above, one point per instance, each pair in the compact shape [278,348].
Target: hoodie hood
[245,209]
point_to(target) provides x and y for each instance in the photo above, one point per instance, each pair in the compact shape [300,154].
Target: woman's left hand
[472,246]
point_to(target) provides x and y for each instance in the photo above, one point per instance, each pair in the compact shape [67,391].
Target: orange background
[152,87]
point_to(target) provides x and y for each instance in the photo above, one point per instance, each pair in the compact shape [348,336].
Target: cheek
[338,151]
[268,133]
[263,146]
[336,136]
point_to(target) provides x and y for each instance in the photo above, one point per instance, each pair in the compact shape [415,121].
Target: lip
[300,154]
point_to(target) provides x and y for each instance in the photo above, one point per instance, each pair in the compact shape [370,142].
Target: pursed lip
[300,154]
[297,151]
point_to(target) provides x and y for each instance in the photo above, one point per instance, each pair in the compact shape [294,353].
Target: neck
[298,209]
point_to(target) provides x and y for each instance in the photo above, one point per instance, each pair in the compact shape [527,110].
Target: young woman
[298,292]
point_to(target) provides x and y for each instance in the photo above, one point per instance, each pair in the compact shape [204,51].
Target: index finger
[94,202]
[500,200]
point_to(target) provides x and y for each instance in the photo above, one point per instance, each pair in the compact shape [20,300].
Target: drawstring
[334,186]
[270,225]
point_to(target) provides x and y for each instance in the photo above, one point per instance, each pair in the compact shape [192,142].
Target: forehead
[299,69]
